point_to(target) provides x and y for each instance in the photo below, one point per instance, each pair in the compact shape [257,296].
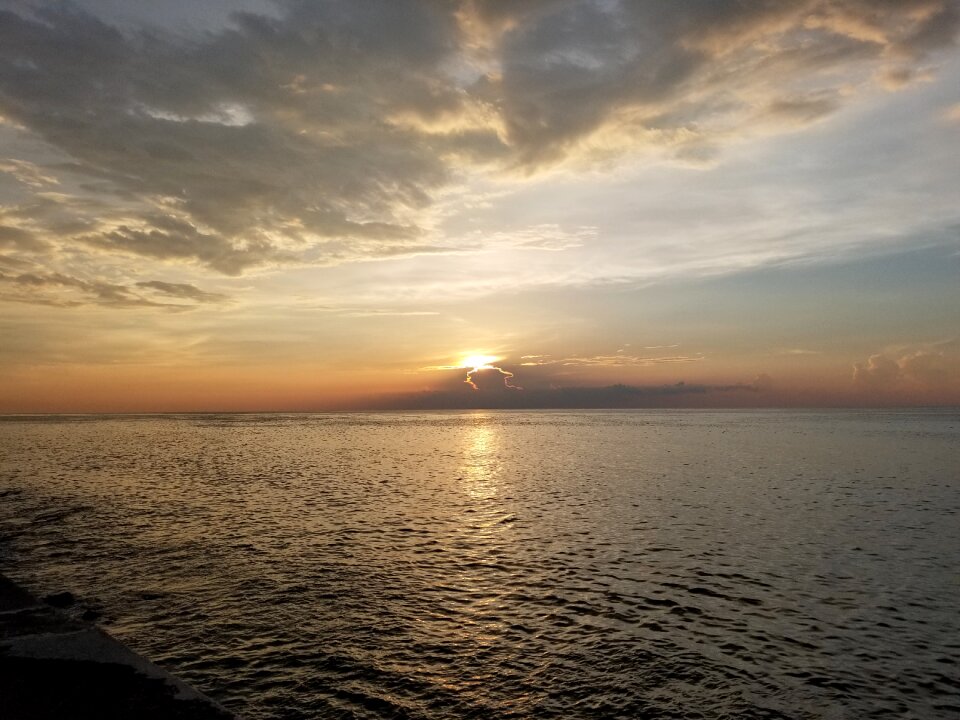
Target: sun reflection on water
[480,467]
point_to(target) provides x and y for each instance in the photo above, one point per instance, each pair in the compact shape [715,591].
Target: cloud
[928,368]
[934,367]
[487,379]
[182,291]
[324,132]
[166,237]
[898,77]
[763,382]
[372,312]
[802,110]
[540,382]
[27,173]
[797,351]
[879,371]
[568,73]
[269,126]
[546,236]
[952,114]
[619,359]
[15,238]
[612,396]
[60,290]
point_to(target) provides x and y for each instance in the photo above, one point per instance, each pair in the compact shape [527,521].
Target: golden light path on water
[487,530]
[481,467]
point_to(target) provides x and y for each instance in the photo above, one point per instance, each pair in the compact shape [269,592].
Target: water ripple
[509,565]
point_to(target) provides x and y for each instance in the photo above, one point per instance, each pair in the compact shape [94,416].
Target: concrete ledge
[54,666]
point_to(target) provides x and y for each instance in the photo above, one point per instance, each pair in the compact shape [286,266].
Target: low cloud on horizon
[679,394]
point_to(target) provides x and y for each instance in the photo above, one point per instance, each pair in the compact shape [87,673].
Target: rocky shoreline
[55,664]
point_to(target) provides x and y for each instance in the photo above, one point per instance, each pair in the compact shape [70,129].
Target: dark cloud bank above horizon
[490,391]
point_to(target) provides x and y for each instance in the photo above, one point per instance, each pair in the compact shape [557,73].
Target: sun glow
[475,363]
[478,362]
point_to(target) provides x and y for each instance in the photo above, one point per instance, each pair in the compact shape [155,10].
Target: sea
[509,564]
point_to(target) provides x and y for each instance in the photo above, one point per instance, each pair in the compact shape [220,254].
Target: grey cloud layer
[321,135]
[59,290]
[684,69]
[495,396]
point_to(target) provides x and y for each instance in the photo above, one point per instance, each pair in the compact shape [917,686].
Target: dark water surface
[510,564]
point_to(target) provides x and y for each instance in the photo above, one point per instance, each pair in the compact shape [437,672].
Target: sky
[307,205]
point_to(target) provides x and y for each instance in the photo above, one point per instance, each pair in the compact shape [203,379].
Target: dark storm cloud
[331,125]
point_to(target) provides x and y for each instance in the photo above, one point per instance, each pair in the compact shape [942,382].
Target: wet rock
[60,600]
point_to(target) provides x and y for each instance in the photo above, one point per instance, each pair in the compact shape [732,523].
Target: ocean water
[642,564]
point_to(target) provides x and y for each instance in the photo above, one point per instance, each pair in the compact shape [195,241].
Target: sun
[478,362]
